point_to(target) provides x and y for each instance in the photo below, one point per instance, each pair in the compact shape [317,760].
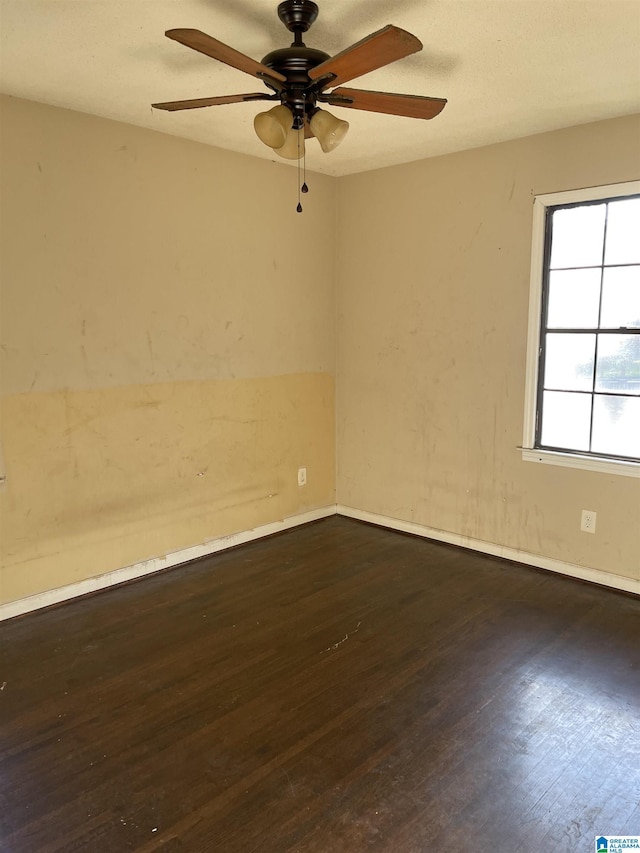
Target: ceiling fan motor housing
[296,61]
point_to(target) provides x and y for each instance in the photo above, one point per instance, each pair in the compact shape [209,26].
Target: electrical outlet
[588,522]
[302,476]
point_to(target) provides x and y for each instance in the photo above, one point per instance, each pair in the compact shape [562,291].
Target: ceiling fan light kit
[300,77]
[276,128]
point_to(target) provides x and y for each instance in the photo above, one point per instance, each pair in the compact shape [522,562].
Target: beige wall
[167,355]
[433,282]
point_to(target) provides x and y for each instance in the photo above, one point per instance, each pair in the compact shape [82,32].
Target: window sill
[587,463]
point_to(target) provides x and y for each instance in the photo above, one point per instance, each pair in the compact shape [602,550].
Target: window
[583,368]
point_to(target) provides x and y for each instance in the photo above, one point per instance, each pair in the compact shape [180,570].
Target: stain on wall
[168,360]
[109,477]
[433,291]
[167,363]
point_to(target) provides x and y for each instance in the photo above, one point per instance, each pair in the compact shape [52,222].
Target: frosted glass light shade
[272,126]
[293,148]
[328,130]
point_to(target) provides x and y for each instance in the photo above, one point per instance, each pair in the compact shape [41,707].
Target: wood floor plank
[333,689]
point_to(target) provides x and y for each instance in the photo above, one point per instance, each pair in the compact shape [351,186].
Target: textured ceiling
[508,68]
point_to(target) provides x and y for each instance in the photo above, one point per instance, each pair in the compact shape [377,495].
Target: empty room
[319,426]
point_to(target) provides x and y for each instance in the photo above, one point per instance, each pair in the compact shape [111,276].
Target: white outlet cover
[588,521]
[302,476]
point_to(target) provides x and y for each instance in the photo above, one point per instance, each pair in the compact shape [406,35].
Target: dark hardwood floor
[333,689]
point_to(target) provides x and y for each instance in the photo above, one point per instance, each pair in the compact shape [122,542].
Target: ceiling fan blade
[197,40]
[412,106]
[379,49]
[196,103]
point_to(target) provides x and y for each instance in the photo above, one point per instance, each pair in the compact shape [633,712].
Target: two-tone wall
[169,327]
[168,351]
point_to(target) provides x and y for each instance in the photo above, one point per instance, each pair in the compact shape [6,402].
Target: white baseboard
[571,569]
[148,567]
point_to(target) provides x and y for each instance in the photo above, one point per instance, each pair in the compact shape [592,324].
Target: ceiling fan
[299,77]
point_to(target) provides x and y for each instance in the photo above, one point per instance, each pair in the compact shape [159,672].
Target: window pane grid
[595,359]
[627,330]
[594,393]
[589,377]
[591,267]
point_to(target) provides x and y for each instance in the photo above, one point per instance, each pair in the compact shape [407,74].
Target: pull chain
[299,207]
[304,188]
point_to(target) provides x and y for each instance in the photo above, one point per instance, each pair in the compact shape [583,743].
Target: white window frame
[567,459]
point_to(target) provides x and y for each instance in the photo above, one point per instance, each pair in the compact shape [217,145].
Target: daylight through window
[588,371]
